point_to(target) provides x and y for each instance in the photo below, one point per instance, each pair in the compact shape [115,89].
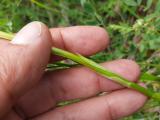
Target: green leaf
[83,2]
[157,8]
[149,77]
[149,4]
[130,2]
[139,2]
[88,7]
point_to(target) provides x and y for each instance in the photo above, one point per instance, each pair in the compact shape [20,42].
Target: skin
[26,92]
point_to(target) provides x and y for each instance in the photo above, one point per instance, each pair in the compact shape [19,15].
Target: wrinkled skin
[27,92]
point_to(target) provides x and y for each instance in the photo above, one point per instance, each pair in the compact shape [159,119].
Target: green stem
[6,35]
[104,72]
[99,69]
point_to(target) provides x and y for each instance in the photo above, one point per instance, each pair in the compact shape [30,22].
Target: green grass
[133,25]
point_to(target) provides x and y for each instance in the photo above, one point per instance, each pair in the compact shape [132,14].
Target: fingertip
[128,69]
[125,67]
[133,67]
[31,33]
[104,36]
[124,106]
[85,40]
[31,47]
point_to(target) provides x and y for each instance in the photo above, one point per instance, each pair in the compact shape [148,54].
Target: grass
[134,27]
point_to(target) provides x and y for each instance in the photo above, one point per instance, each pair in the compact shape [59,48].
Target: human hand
[26,92]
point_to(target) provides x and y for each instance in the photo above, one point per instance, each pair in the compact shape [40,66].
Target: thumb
[23,62]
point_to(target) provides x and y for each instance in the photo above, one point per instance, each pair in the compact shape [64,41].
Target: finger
[110,107]
[23,62]
[82,82]
[71,84]
[85,40]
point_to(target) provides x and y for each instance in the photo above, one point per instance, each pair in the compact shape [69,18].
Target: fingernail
[28,34]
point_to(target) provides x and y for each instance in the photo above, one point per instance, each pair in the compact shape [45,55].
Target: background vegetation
[133,25]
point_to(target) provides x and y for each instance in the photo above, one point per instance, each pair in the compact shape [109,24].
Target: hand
[26,92]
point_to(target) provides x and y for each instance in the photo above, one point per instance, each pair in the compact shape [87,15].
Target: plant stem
[6,35]
[97,68]
[104,72]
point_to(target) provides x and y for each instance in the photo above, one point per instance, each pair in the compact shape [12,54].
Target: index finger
[85,40]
